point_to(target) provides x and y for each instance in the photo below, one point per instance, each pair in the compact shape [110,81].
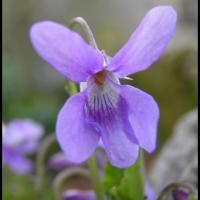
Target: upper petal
[77,138]
[147,43]
[143,116]
[65,50]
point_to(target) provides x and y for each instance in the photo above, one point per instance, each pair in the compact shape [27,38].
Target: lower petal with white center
[107,110]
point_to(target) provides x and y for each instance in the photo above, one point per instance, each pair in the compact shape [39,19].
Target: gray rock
[190,11]
[178,159]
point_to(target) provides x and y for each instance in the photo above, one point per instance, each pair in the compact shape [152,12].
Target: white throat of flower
[106,61]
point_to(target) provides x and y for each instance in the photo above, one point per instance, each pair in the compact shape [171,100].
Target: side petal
[77,138]
[143,116]
[147,43]
[65,50]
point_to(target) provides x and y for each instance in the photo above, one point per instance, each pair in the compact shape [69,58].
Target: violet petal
[16,162]
[143,116]
[180,194]
[120,150]
[23,135]
[65,50]
[59,162]
[149,192]
[107,110]
[79,195]
[77,138]
[147,43]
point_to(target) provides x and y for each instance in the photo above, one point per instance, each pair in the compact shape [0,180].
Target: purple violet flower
[20,138]
[73,194]
[79,195]
[59,162]
[149,192]
[124,117]
[180,194]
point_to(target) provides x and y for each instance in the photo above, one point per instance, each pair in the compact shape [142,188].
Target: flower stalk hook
[84,25]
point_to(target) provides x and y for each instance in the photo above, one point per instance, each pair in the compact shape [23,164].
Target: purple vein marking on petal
[111,115]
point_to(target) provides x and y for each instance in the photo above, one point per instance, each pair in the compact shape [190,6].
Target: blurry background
[32,89]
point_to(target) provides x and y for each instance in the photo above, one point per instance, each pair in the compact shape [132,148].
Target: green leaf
[124,184]
[192,197]
[112,178]
[17,187]
[71,88]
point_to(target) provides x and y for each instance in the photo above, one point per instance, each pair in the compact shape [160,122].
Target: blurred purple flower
[180,194]
[124,117]
[59,162]
[20,137]
[149,192]
[79,195]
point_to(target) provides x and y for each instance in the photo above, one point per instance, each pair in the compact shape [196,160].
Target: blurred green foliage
[22,100]
[119,183]
[14,186]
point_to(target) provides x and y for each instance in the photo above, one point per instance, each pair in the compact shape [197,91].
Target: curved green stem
[92,160]
[95,177]
[142,166]
[71,88]
[173,186]
[84,25]
[65,174]
[40,163]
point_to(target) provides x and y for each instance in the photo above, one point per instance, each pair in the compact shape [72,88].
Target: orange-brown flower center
[99,77]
